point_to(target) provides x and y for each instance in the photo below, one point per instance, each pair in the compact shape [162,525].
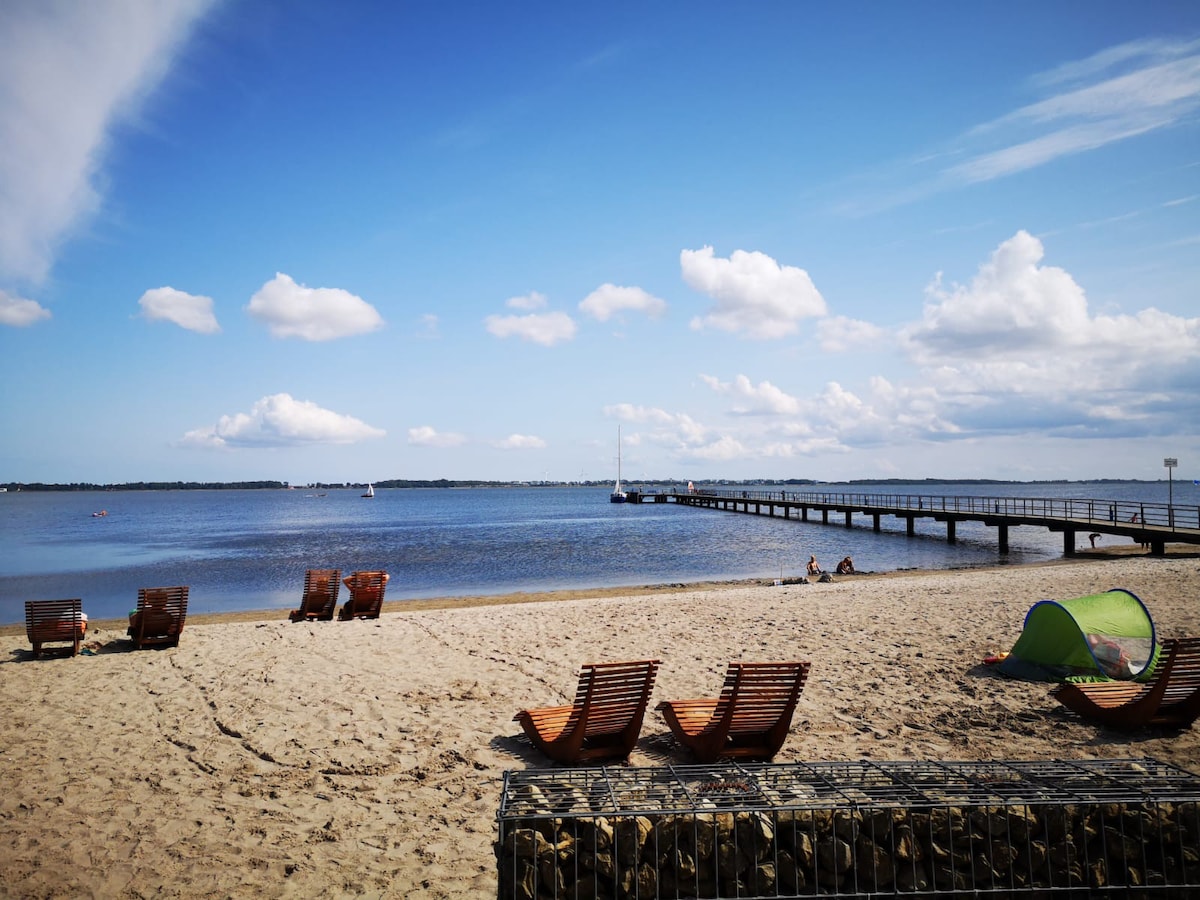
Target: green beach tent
[1107,635]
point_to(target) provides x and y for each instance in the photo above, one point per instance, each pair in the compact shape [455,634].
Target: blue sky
[345,242]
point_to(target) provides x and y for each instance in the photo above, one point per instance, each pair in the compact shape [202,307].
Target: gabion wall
[1107,828]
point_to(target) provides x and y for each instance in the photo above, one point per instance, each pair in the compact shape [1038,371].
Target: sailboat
[370,491]
[618,495]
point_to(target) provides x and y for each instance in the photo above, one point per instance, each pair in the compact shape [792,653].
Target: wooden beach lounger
[320,596]
[605,719]
[751,718]
[1171,698]
[366,595]
[54,621]
[158,621]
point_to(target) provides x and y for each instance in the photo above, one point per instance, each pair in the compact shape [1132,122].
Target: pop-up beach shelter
[1107,635]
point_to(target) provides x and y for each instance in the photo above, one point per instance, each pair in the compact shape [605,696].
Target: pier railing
[1077,511]
[1128,511]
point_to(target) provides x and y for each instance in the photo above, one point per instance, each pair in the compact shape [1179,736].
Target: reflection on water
[249,549]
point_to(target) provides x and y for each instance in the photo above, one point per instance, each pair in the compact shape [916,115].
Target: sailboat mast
[618,457]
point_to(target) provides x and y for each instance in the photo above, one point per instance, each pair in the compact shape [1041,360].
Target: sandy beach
[265,758]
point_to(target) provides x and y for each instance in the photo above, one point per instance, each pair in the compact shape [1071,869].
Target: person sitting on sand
[846,567]
[814,567]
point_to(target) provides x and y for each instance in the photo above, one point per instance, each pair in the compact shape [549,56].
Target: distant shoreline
[391,484]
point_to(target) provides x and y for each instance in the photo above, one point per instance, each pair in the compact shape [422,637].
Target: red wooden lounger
[605,719]
[751,718]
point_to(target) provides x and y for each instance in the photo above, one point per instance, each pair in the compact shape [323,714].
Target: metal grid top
[673,789]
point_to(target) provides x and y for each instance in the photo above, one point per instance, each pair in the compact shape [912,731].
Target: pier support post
[804,513]
[912,529]
[1003,535]
[825,516]
[875,522]
[950,536]
[1068,542]
[1158,548]
[847,518]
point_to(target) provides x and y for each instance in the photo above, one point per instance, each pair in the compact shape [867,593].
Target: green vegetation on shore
[477,483]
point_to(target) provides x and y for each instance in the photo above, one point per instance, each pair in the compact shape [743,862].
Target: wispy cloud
[1114,95]
[69,72]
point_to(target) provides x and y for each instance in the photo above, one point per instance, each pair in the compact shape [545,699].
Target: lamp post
[1170,462]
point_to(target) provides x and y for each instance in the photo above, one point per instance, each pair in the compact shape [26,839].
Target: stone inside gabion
[852,852]
[862,845]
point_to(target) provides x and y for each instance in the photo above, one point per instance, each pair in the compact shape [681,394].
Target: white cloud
[837,334]
[532,300]
[610,299]
[520,442]
[1023,330]
[427,436]
[279,421]
[312,314]
[70,71]
[678,431]
[723,449]
[546,329]
[750,399]
[1019,312]
[19,312]
[754,295]
[188,311]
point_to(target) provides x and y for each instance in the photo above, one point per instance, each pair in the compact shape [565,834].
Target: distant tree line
[478,483]
[151,486]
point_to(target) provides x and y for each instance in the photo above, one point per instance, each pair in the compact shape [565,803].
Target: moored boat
[618,495]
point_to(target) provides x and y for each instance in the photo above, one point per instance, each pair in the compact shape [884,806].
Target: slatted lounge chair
[160,616]
[366,595]
[54,621]
[751,718]
[320,596]
[1170,698]
[605,719]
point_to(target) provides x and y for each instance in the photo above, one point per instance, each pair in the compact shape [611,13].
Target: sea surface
[241,550]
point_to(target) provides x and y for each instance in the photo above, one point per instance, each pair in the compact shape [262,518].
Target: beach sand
[265,758]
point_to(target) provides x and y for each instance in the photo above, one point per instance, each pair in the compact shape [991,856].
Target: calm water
[249,549]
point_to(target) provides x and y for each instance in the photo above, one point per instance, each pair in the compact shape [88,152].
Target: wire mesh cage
[1097,828]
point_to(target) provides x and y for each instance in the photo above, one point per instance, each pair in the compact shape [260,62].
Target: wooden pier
[1152,524]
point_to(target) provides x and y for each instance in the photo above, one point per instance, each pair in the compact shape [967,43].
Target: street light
[1170,462]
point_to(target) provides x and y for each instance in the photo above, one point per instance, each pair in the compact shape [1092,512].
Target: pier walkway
[1151,524]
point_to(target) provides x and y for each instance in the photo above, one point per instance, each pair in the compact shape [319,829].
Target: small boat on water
[370,491]
[618,495]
